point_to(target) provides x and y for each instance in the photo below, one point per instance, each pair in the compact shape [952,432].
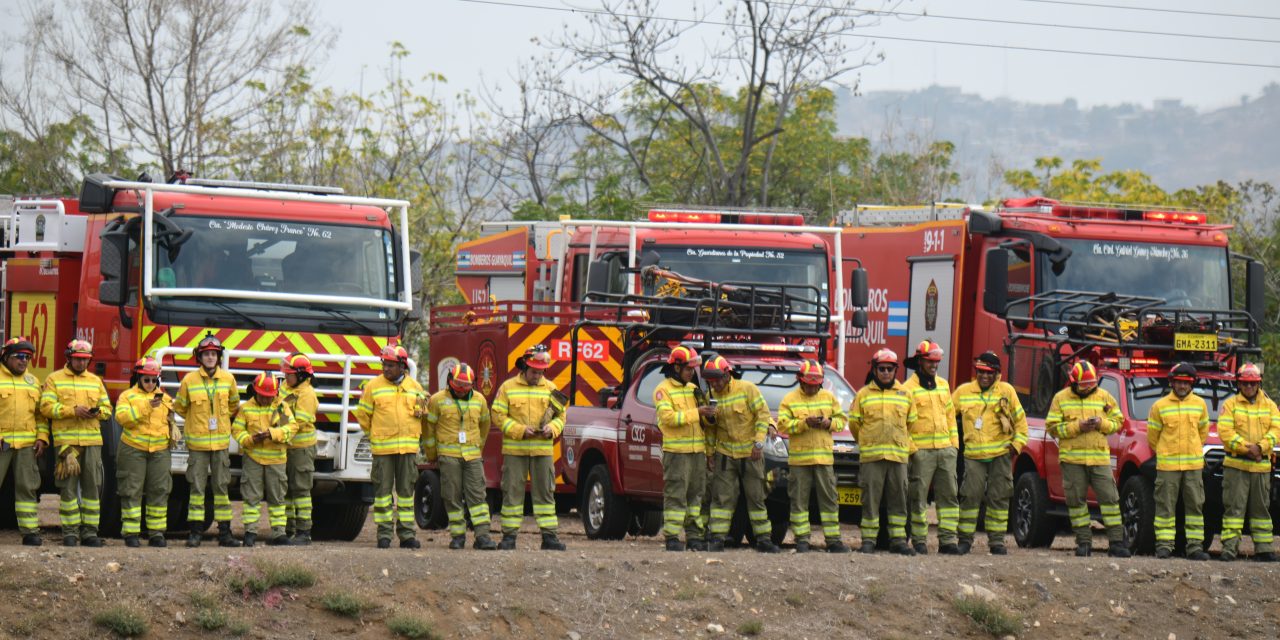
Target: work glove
[68,463]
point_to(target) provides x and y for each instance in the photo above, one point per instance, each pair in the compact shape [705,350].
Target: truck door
[932,293]
[641,458]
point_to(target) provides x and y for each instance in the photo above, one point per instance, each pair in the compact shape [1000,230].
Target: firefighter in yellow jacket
[685,456]
[148,431]
[878,419]
[455,430]
[263,428]
[24,434]
[1249,426]
[1081,417]
[298,393]
[390,412]
[810,414]
[937,442]
[1177,426]
[207,400]
[530,411]
[75,400]
[736,433]
[995,430]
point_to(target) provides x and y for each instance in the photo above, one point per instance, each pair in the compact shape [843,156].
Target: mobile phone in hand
[95,411]
[158,395]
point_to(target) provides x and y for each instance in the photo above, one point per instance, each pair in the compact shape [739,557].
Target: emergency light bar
[754,346]
[726,217]
[1174,216]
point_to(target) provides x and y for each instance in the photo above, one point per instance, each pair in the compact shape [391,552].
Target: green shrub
[121,620]
[412,628]
[344,604]
[750,628]
[990,616]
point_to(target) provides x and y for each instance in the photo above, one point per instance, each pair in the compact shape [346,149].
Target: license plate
[1195,341]
[849,496]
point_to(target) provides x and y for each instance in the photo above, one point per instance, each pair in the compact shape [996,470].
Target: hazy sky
[465,41]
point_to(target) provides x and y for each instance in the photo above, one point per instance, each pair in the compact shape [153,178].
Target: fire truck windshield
[746,264]
[283,257]
[1182,275]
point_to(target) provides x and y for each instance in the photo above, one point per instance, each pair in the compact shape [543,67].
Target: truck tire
[1138,512]
[645,522]
[605,516]
[428,505]
[339,520]
[1032,524]
[180,505]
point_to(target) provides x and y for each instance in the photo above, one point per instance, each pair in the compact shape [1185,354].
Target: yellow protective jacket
[879,418]
[386,413]
[304,404]
[142,426]
[275,419]
[21,422]
[520,404]
[985,436]
[1242,423]
[678,418]
[935,423]
[1063,422]
[63,390]
[742,419]
[1176,430]
[202,397]
[455,428]
[808,447]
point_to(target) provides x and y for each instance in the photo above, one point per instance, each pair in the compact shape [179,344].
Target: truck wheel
[1032,524]
[604,515]
[1138,510]
[645,522]
[180,505]
[428,505]
[339,521]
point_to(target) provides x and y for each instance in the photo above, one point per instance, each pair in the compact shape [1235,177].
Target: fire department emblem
[486,368]
[931,307]
[115,336]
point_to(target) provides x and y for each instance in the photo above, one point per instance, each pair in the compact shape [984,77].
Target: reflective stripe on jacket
[304,404]
[275,419]
[201,397]
[1063,422]
[21,422]
[742,419]
[1242,423]
[63,390]
[935,423]
[142,426]
[878,419]
[807,446]
[447,417]
[1176,431]
[519,405]
[989,438]
[386,411]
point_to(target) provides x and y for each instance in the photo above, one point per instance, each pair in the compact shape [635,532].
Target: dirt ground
[625,589]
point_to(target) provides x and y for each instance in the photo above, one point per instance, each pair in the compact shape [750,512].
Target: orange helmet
[297,363]
[147,366]
[717,367]
[395,353]
[929,350]
[1083,374]
[810,372]
[1183,371]
[18,344]
[684,355]
[462,377]
[208,343]
[265,385]
[1249,372]
[537,357]
[987,361]
[79,349]
[884,356]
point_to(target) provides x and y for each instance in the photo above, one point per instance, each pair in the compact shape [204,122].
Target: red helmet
[395,353]
[717,367]
[987,361]
[1249,372]
[537,357]
[929,350]
[265,385]
[79,349]
[1183,371]
[147,366]
[297,363]
[18,344]
[886,356]
[208,343]
[683,355]
[1083,374]
[462,377]
[810,372]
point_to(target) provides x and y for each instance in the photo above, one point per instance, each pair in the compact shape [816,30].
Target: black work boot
[302,538]
[715,544]
[696,544]
[157,541]
[1265,556]
[902,548]
[551,543]
[1118,550]
[484,543]
[384,543]
[837,546]
[1198,556]
[1164,554]
[674,544]
[91,541]
[949,549]
[250,538]
[998,550]
[458,542]
[1083,550]
[921,548]
[964,547]
[70,541]
[32,540]
[225,539]
[132,541]
[411,543]
[197,532]
[282,540]
[508,542]
[765,545]
[802,546]
[868,546]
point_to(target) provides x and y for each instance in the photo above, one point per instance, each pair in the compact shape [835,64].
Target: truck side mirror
[859,319]
[415,287]
[996,296]
[858,288]
[114,288]
[1255,292]
[603,273]
[649,259]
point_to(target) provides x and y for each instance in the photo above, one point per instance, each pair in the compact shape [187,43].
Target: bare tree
[165,78]
[776,50]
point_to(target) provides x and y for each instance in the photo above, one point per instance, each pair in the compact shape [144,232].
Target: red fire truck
[1043,283]
[143,268]
[526,284]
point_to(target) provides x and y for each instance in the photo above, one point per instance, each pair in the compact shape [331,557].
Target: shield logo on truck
[931,307]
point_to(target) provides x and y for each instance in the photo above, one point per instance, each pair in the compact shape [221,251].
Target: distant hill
[1175,144]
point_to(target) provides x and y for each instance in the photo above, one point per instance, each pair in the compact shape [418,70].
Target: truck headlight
[775,447]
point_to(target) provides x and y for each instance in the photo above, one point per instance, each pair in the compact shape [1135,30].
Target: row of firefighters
[907,432]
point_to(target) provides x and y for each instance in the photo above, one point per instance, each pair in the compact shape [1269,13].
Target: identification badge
[213,424]
[462,437]
[977,424]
